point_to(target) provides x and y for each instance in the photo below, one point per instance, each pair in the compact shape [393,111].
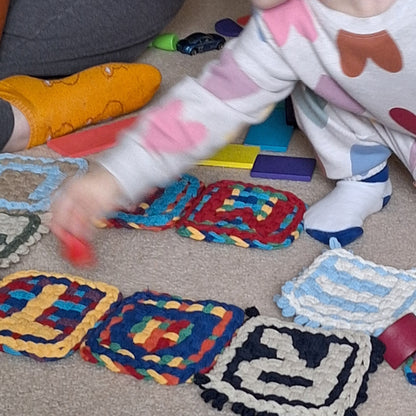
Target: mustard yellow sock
[54,108]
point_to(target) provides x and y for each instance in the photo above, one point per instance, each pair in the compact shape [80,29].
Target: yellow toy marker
[233,156]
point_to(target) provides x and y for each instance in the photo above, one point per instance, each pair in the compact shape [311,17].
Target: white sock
[342,212]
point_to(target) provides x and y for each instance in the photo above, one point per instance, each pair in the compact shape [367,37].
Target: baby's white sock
[342,212]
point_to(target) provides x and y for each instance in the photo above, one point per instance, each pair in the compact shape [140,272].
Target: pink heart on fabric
[404,118]
[168,132]
[292,13]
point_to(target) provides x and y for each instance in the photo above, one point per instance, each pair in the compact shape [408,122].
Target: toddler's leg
[352,150]
[342,212]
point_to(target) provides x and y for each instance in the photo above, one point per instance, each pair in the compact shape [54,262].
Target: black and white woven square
[277,368]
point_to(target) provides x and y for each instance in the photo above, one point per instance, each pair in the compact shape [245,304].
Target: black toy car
[200,42]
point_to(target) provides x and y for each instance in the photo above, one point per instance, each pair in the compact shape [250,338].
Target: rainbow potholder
[161,209]
[46,316]
[342,290]
[276,368]
[27,183]
[18,232]
[162,337]
[244,215]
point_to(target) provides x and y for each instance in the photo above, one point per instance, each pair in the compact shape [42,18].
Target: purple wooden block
[227,27]
[283,167]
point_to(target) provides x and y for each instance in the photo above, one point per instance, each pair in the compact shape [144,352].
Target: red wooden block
[76,251]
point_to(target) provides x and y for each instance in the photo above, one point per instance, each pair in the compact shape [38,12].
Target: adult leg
[51,38]
[55,38]
[352,151]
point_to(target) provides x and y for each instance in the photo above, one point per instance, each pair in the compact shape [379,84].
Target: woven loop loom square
[162,337]
[245,215]
[274,368]
[161,209]
[27,183]
[342,290]
[17,234]
[46,316]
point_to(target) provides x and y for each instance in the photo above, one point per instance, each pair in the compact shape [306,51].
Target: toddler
[349,68]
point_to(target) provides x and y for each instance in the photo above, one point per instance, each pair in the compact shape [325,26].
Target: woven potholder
[27,183]
[162,337]
[342,290]
[274,368]
[17,234]
[161,209]
[245,215]
[46,316]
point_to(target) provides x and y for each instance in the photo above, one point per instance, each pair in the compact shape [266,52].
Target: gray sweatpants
[50,38]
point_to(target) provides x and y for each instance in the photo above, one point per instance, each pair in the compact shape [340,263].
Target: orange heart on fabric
[356,49]
[404,118]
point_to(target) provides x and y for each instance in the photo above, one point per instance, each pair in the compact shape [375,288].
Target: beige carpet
[164,261]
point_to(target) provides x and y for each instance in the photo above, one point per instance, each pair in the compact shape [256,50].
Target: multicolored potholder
[161,209]
[244,215]
[46,316]
[27,183]
[342,290]
[410,370]
[276,368]
[162,337]
[17,234]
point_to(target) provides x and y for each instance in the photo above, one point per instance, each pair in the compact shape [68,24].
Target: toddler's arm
[194,120]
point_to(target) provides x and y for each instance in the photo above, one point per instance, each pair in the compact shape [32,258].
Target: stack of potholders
[46,316]
[162,337]
[161,209]
[244,215]
[26,186]
[275,368]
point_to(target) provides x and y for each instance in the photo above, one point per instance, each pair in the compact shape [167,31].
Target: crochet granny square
[342,290]
[276,368]
[161,209]
[46,316]
[245,215]
[17,234]
[27,183]
[162,337]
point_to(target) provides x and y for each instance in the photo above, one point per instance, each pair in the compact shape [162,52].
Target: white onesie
[352,80]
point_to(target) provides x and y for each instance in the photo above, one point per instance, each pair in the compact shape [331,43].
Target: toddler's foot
[342,212]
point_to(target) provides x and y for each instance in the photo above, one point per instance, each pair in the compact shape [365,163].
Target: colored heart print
[404,118]
[280,19]
[168,132]
[356,49]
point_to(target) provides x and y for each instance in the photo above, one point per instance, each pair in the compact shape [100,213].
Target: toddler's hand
[83,202]
[266,4]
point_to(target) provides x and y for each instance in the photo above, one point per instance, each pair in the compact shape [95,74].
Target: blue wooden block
[273,134]
[283,167]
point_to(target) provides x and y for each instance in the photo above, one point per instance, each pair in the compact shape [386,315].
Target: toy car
[200,42]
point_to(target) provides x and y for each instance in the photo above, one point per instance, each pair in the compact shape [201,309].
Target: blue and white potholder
[344,291]
[276,368]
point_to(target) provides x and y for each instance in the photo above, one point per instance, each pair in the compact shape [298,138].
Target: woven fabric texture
[27,183]
[18,232]
[162,337]
[274,368]
[46,316]
[342,290]
[160,210]
[245,215]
